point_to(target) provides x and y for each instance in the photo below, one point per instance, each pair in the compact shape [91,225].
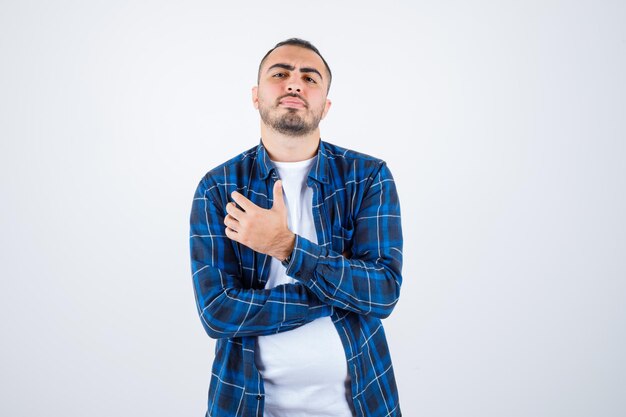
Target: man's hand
[264,231]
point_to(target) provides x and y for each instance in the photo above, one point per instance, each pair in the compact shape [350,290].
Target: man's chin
[293,130]
[290,123]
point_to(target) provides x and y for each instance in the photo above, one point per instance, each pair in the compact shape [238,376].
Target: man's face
[291,95]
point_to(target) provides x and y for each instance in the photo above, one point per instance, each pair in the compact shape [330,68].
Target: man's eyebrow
[291,68]
[308,69]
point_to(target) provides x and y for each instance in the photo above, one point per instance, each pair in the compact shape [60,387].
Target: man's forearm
[235,311]
[363,286]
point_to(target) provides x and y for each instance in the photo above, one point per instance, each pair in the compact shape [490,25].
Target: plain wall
[504,124]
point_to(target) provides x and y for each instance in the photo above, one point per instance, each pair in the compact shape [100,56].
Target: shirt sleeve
[367,281]
[226,306]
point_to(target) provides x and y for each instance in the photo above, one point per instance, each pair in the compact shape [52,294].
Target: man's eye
[279,75]
[311,80]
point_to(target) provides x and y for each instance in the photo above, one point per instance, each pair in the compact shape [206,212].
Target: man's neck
[283,148]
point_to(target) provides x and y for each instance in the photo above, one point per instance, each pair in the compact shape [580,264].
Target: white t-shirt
[304,370]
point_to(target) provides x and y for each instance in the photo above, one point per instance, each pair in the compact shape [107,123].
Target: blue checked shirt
[353,275]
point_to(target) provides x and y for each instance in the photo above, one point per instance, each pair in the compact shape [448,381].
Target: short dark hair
[303,44]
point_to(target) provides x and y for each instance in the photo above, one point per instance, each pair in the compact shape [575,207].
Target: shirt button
[259,397]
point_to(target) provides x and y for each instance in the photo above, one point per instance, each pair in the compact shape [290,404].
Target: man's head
[293,83]
[303,44]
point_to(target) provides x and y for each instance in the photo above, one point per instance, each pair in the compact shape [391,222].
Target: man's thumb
[279,202]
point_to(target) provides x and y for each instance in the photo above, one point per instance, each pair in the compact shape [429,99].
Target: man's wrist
[286,261]
[285,257]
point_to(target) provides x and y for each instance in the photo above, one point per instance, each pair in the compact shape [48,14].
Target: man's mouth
[292,102]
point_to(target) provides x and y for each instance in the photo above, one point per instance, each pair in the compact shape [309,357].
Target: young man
[296,255]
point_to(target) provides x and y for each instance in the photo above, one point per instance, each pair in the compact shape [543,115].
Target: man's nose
[294,86]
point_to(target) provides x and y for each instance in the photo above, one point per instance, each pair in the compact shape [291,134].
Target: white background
[504,124]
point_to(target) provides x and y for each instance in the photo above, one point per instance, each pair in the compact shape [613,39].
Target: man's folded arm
[226,307]
[367,281]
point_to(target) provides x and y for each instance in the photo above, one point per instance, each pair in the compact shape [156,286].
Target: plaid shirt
[353,275]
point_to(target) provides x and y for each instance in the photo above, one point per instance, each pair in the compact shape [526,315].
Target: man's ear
[255,97]
[326,108]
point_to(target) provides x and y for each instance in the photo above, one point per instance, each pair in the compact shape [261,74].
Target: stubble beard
[290,123]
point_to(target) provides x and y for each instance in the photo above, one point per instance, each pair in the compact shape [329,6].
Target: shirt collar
[319,171]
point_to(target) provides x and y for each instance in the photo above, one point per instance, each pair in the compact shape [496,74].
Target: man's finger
[231,223]
[234,211]
[279,201]
[230,234]
[243,202]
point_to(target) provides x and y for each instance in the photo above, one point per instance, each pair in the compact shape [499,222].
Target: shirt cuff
[303,260]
